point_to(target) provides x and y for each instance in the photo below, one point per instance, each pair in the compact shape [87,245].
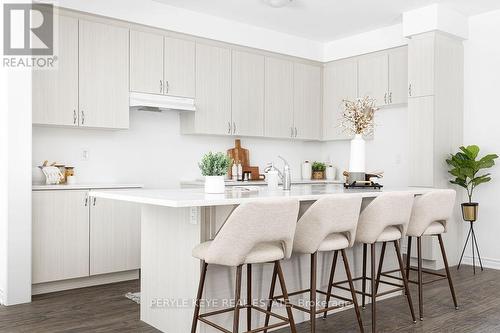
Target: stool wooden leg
[408,257]
[237,295]
[249,297]
[420,281]
[447,268]
[380,264]
[372,288]
[330,281]
[363,286]
[271,294]
[312,292]
[353,291]
[199,295]
[405,280]
[285,297]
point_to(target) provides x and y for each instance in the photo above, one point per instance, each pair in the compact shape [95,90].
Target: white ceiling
[324,20]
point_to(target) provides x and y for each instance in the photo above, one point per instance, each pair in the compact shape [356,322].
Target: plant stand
[474,245]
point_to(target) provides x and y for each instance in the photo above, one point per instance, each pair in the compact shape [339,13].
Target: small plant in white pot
[214,167]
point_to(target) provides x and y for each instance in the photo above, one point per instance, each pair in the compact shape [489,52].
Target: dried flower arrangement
[358,115]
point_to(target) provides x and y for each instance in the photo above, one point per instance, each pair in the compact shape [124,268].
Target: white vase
[214,184]
[357,157]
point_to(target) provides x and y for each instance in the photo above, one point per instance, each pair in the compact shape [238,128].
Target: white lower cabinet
[115,231]
[74,236]
[60,231]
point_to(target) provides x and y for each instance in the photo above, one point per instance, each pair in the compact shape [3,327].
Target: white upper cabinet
[421,49]
[55,92]
[115,236]
[398,76]
[146,62]
[278,106]
[247,94]
[307,101]
[60,235]
[373,77]
[340,82]
[213,93]
[179,77]
[103,75]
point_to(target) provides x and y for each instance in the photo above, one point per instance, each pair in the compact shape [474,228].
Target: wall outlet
[193,215]
[85,154]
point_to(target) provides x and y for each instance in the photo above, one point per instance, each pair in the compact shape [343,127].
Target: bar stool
[429,217]
[329,225]
[255,233]
[384,220]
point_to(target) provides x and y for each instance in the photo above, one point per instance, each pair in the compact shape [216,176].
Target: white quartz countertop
[237,195]
[201,182]
[83,186]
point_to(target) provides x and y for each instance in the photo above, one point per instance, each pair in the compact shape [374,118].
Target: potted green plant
[214,167]
[318,170]
[465,166]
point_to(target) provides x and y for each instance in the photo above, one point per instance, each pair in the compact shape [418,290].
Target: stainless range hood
[158,103]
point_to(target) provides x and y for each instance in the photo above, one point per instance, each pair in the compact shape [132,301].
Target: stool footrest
[318,311]
[284,321]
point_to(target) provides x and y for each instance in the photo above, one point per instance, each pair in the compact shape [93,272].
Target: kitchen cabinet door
[115,236]
[103,75]
[146,62]
[55,92]
[398,76]
[307,101]
[421,134]
[247,93]
[179,67]
[278,105]
[421,65]
[373,77]
[340,82]
[213,92]
[60,222]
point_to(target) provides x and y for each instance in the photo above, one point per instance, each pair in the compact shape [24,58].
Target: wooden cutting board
[239,154]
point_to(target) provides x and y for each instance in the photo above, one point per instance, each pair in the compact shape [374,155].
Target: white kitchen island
[174,221]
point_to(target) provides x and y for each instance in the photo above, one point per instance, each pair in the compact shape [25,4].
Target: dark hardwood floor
[105,309]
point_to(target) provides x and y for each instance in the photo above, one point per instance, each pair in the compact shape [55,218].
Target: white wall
[481,118]
[153,152]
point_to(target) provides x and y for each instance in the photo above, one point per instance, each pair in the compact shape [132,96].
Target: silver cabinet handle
[86,200]
[93,204]
[385,98]
[74,117]
[295,131]
[167,87]
[83,117]
[291,132]
[234,127]
[228,127]
[390,97]
[161,86]
[409,90]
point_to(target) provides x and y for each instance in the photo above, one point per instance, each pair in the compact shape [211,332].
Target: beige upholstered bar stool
[329,225]
[384,220]
[255,233]
[430,215]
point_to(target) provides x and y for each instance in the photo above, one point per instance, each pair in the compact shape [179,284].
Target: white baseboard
[2,300]
[487,262]
[49,287]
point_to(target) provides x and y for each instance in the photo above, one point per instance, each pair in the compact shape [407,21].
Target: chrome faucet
[285,176]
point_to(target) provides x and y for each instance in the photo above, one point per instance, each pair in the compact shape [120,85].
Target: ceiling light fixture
[278,3]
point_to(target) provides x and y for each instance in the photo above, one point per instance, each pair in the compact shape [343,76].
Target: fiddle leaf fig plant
[465,166]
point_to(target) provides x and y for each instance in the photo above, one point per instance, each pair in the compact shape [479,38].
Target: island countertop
[233,196]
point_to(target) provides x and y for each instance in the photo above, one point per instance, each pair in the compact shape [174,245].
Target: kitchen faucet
[285,176]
